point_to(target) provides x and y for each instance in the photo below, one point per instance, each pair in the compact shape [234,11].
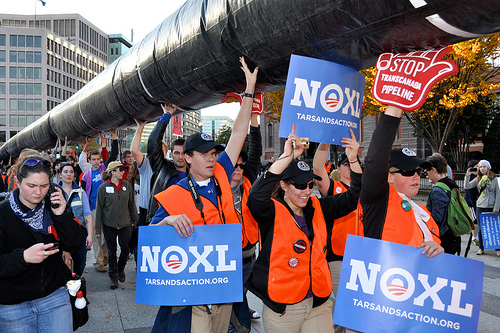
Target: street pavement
[115,310]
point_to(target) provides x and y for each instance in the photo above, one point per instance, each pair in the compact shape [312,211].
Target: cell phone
[473,169]
[302,141]
[53,247]
[52,190]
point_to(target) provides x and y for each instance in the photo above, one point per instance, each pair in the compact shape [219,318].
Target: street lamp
[200,125]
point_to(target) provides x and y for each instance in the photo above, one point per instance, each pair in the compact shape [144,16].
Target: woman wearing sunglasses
[291,274]
[33,276]
[391,178]
[77,198]
[115,213]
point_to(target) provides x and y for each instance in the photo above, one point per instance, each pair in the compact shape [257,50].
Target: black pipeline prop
[191,58]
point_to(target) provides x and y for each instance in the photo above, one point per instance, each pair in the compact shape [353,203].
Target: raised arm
[155,151]
[136,141]
[319,168]
[240,127]
[253,164]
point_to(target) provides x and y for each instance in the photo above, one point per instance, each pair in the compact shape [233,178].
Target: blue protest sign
[205,268]
[490,229]
[395,288]
[323,99]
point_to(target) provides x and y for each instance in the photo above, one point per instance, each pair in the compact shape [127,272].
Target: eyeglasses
[31,162]
[241,165]
[303,186]
[121,169]
[409,173]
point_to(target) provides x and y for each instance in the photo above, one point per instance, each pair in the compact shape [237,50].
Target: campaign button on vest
[299,246]
[293,262]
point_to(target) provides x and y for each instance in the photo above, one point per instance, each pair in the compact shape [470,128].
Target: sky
[113,17]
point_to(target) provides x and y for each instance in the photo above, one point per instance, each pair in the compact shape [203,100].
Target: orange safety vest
[401,226]
[295,265]
[177,200]
[345,225]
[249,226]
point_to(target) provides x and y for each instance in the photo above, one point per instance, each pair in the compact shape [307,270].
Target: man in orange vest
[209,180]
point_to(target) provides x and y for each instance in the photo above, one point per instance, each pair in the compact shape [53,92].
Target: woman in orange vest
[291,274]
[391,179]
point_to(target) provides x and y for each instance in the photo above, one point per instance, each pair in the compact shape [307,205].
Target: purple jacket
[87,178]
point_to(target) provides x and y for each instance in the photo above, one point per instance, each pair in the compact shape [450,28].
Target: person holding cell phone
[33,274]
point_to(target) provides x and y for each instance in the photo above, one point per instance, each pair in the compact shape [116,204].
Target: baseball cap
[342,159]
[406,159]
[299,172]
[116,164]
[202,143]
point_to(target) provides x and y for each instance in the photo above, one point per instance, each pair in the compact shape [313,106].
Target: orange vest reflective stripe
[401,226]
[345,225]
[294,266]
[248,224]
[177,200]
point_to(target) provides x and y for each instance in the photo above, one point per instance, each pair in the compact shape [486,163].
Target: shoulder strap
[196,196]
[443,186]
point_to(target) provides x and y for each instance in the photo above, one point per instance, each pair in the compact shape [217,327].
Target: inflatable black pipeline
[191,58]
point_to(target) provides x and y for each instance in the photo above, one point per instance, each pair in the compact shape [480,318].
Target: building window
[38,105]
[21,89]
[22,73]
[3,106]
[13,121]
[21,106]
[29,41]
[29,105]
[38,41]
[270,135]
[37,73]
[2,56]
[13,40]
[3,72]
[2,40]
[29,57]
[13,104]
[3,120]
[13,88]
[29,120]
[13,56]
[38,57]
[29,88]
[38,88]
[21,56]
[13,72]
[3,89]
[21,41]
[22,121]
[29,72]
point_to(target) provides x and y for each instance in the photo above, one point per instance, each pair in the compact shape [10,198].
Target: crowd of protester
[110,199]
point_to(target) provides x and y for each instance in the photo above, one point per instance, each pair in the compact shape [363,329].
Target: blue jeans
[51,313]
[79,260]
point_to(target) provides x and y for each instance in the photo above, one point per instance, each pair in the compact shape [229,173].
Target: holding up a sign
[323,99]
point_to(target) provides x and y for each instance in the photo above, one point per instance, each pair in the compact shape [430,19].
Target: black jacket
[163,169]
[21,281]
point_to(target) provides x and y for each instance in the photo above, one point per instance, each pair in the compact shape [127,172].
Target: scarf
[37,218]
[482,185]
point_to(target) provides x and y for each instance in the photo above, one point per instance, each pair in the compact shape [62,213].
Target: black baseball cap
[342,159]
[202,143]
[299,172]
[406,159]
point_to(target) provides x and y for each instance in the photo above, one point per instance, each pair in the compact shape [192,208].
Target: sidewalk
[115,310]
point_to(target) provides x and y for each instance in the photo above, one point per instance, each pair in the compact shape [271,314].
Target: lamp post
[200,125]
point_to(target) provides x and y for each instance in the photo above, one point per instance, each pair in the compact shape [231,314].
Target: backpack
[459,216]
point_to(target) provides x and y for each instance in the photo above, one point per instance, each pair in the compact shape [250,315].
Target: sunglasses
[410,173]
[241,165]
[31,162]
[303,186]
